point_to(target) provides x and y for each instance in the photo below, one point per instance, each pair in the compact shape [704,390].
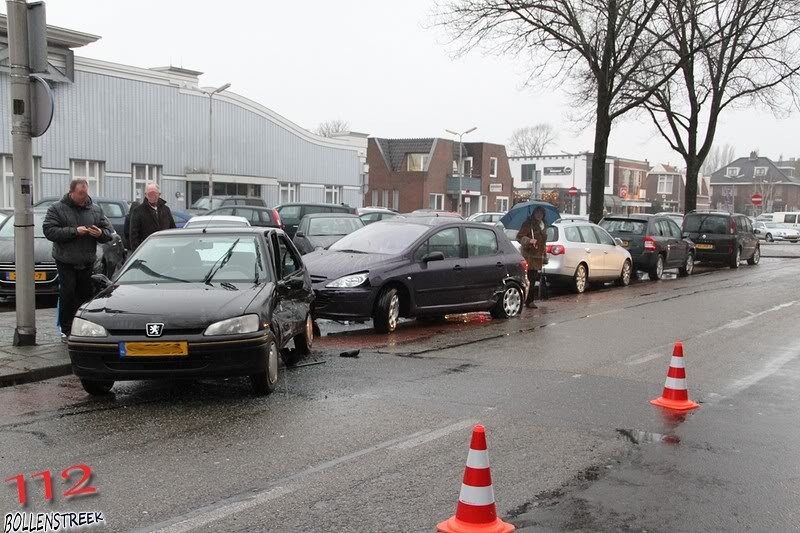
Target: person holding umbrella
[532,237]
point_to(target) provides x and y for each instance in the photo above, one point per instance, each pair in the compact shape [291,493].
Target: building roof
[746,174]
[58,36]
[665,169]
[394,150]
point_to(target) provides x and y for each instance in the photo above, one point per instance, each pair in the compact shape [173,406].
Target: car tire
[97,387]
[580,279]
[509,304]
[769,238]
[736,259]
[626,274]
[657,272]
[265,381]
[688,267]
[304,342]
[387,311]
[753,261]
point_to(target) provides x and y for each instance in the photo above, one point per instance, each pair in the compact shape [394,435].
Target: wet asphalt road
[378,442]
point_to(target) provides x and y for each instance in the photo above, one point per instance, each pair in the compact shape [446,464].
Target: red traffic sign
[572,192]
[756,199]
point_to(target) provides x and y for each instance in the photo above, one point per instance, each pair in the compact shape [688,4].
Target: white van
[790,218]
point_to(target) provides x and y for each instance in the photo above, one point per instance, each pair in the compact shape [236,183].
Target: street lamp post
[461,162]
[211,93]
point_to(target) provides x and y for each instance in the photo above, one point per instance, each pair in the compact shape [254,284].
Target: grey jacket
[61,226]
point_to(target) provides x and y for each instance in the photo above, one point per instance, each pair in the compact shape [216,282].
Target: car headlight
[348,282]
[234,326]
[84,328]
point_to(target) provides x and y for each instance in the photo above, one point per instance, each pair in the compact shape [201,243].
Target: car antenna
[208,222]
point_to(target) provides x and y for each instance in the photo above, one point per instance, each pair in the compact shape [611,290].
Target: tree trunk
[602,131]
[690,193]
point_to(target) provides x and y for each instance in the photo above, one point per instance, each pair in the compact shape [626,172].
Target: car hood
[42,251]
[322,241]
[331,264]
[179,305]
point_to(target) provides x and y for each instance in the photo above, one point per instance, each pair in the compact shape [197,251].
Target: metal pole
[210,150]
[25,332]
[460,174]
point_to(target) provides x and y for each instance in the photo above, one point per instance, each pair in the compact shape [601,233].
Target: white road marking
[766,371]
[433,435]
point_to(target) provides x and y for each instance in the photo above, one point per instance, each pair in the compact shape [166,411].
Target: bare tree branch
[531,140]
[329,127]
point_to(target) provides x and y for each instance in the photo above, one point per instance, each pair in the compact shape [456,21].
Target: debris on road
[350,353]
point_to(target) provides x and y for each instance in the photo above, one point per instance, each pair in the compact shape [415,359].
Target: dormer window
[417,162]
[761,172]
[732,172]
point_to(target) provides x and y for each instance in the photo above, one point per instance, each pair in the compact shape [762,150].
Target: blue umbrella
[522,212]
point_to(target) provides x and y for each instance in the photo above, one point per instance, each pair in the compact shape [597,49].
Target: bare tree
[749,54]
[718,157]
[531,140]
[602,48]
[329,127]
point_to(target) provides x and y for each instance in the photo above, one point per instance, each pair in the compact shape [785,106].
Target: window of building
[332,194]
[484,204]
[528,172]
[502,204]
[7,179]
[374,202]
[288,193]
[664,185]
[492,167]
[91,171]
[436,201]
[141,175]
[417,162]
[761,172]
[395,200]
[467,164]
[732,172]
[385,199]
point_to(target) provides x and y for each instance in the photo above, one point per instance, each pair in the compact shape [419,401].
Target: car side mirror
[101,281]
[300,234]
[618,241]
[685,234]
[433,256]
[290,284]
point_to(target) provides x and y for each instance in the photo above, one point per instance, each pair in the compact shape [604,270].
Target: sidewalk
[23,364]
[780,250]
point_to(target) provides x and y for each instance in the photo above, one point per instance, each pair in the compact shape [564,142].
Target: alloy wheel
[512,301]
[394,311]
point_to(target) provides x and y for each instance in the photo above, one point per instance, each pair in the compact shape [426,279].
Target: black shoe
[531,305]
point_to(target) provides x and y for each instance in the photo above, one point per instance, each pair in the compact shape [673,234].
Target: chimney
[753,155]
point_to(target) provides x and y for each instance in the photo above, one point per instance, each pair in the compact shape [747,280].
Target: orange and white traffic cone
[476,511]
[676,394]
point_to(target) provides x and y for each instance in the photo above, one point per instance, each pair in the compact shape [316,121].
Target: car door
[294,296]
[746,236]
[439,284]
[612,255]
[485,268]
[593,254]
[679,247]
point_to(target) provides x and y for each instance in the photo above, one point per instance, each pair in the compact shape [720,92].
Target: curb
[36,374]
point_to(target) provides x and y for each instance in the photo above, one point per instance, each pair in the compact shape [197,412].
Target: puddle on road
[647,437]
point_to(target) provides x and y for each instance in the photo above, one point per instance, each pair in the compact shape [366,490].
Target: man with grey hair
[150,216]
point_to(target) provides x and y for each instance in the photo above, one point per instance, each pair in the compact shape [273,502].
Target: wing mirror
[618,241]
[433,256]
[299,234]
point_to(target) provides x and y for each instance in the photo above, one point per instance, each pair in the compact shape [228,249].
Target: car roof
[433,221]
[227,207]
[316,204]
[244,230]
[224,218]
[330,215]
[719,213]
[642,217]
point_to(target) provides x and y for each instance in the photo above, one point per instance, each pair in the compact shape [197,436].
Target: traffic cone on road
[676,395]
[476,511]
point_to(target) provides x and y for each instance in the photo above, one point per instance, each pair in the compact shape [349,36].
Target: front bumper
[344,304]
[101,359]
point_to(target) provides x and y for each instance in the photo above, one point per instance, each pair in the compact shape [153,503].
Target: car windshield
[207,203]
[7,229]
[623,225]
[381,238]
[706,223]
[333,226]
[190,258]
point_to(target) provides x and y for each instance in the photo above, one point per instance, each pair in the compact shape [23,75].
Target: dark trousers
[533,276]
[74,289]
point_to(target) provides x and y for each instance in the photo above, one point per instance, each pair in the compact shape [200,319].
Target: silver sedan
[773,231]
[580,253]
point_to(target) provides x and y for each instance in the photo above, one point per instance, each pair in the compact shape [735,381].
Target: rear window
[290,214]
[623,225]
[706,224]
[111,210]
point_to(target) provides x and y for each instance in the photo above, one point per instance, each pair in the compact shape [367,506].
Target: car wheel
[756,257]
[579,279]
[304,342]
[509,304]
[737,258]
[688,266]
[658,270]
[769,237]
[265,381]
[97,387]
[387,311]
[625,277]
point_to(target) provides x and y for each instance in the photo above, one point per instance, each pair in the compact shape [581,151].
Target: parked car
[292,214]
[320,230]
[580,253]
[566,217]
[722,238]
[654,242]
[791,219]
[180,218]
[773,231]
[368,215]
[265,217]
[194,303]
[114,210]
[109,258]
[216,221]
[486,218]
[432,213]
[676,217]
[204,203]
[422,267]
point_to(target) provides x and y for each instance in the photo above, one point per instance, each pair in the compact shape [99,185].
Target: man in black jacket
[151,216]
[75,225]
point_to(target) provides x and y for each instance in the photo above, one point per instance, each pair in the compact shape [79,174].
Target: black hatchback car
[197,303]
[265,217]
[654,242]
[722,238]
[292,214]
[422,267]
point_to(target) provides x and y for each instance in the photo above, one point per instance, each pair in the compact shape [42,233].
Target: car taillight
[524,265]
[277,217]
[732,226]
[556,249]
[649,244]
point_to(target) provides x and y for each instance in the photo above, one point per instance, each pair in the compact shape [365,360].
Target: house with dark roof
[433,173]
[733,186]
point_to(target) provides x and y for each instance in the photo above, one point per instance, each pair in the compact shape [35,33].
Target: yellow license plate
[154,349]
[37,276]
[704,246]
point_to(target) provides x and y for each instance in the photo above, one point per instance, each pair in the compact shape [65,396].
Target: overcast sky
[374,63]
